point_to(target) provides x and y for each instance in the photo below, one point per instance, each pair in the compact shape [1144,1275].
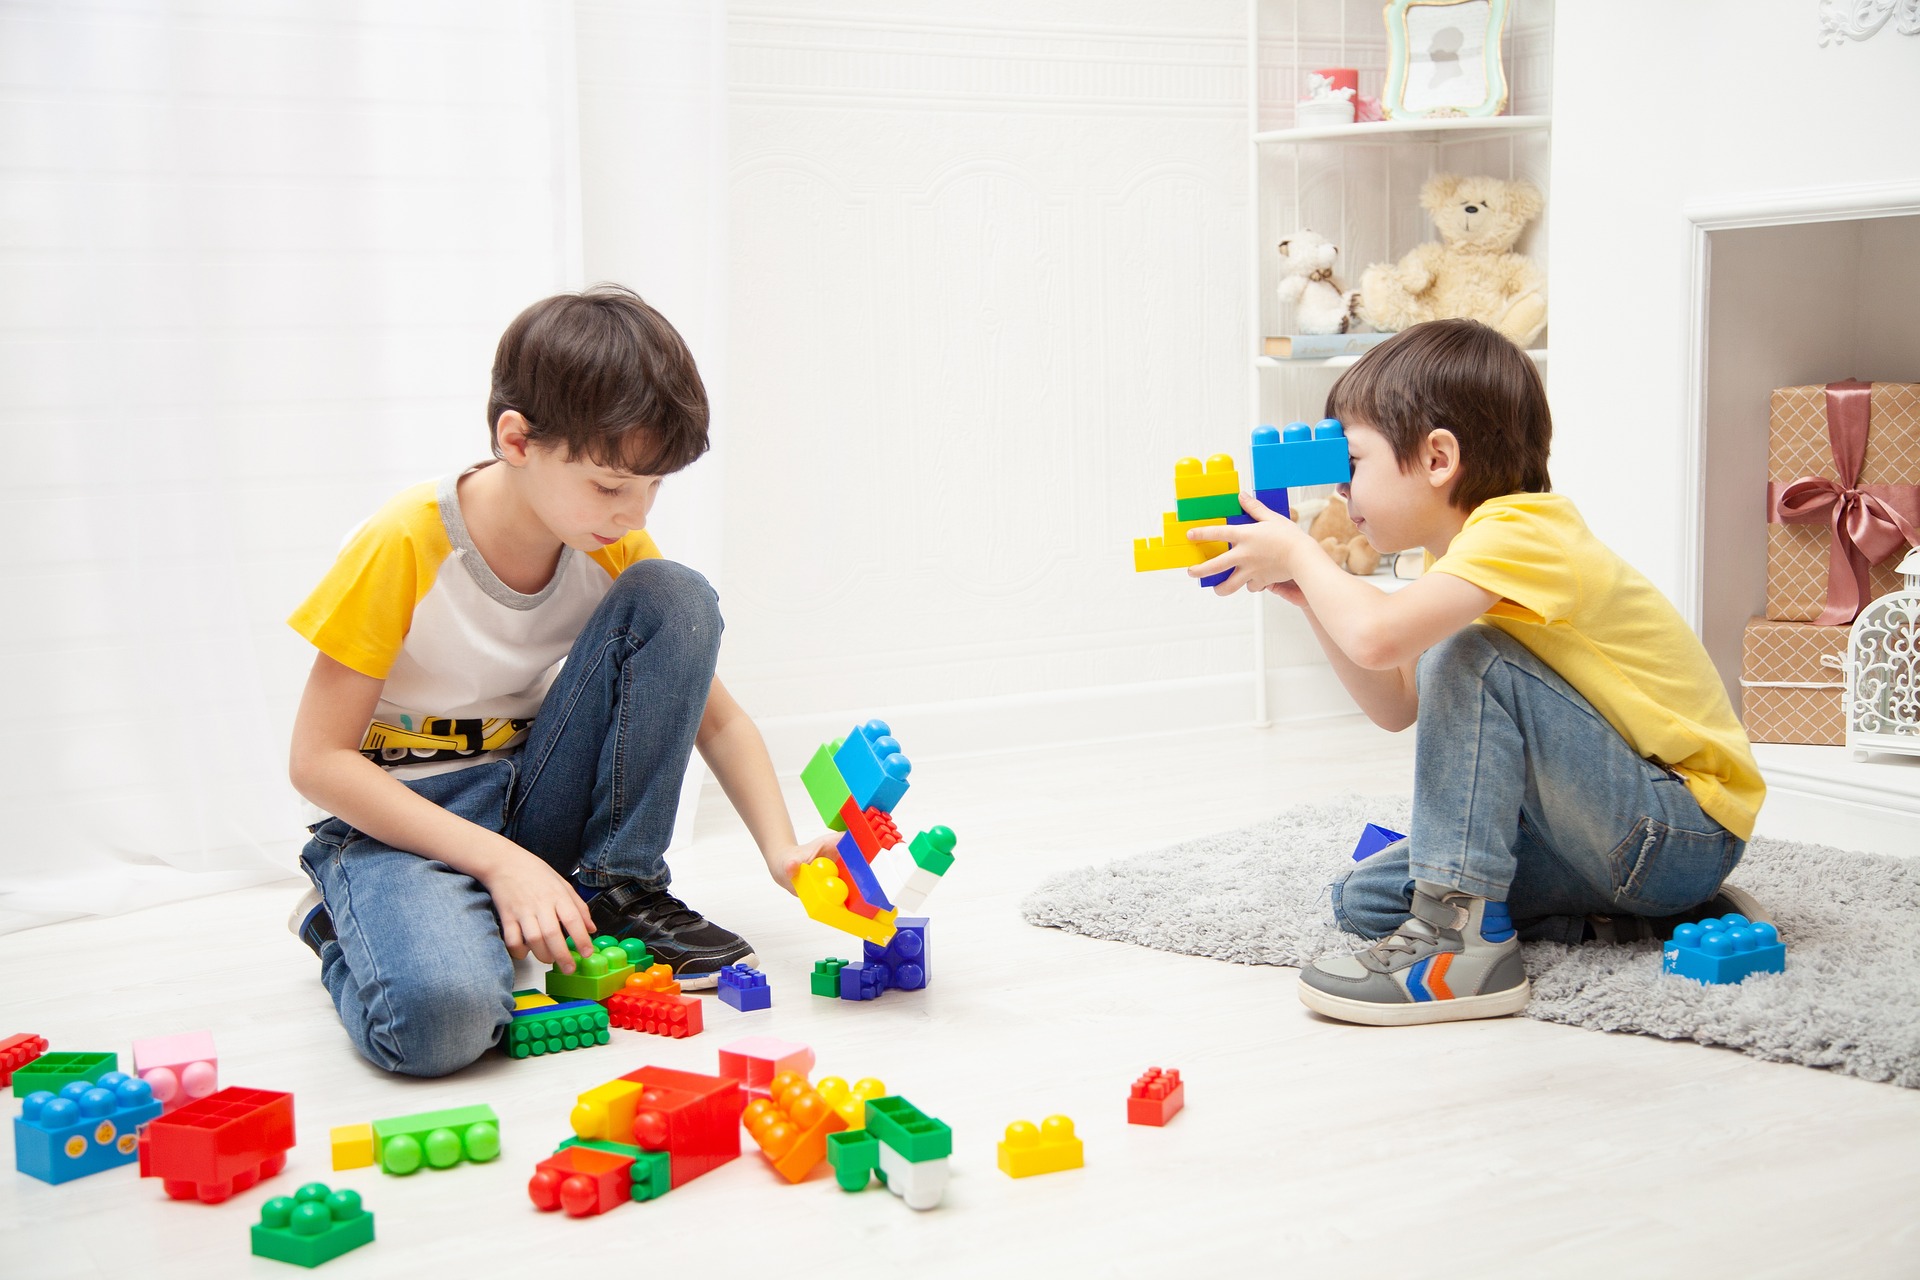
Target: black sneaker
[694,947]
[309,920]
[1626,929]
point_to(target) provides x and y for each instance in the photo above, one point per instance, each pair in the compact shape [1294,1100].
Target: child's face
[584,504]
[1396,509]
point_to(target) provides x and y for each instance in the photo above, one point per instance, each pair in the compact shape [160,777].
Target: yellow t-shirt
[1610,634]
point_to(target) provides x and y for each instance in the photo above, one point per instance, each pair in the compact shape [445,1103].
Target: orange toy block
[651,1002]
[791,1126]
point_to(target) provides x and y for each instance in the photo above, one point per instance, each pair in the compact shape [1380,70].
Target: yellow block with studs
[1047,1149]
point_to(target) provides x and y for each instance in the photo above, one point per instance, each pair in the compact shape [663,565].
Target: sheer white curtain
[253,262]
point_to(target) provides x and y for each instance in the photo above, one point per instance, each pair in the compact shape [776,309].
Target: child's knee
[1373,901]
[673,597]
[433,1026]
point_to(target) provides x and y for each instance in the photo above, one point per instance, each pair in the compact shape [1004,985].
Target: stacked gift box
[1843,500]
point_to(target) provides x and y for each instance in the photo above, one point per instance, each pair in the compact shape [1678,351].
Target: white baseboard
[1824,796]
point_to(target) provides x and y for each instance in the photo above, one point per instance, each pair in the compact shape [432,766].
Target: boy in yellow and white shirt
[1579,771]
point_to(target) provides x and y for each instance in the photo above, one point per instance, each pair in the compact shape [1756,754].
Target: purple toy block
[745,989]
[905,957]
[1373,840]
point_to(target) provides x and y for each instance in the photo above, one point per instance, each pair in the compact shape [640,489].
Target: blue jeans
[420,974]
[1524,794]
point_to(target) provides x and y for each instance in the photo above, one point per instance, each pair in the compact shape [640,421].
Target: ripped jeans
[1524,794]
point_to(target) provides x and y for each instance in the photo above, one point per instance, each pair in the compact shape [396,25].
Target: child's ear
[510,441]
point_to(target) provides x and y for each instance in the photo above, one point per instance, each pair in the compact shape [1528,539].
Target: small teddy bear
[1321,303]
[1336,532]
[1473,273]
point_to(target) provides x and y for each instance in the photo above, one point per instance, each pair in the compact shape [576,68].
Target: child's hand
[1260,554]
[782,863]
[538,909]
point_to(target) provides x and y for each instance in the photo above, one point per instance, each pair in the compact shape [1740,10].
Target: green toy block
[637,954]
[1214,507]
[908,1130]
[933,850]
[317,1225]
[652,1175]
[555,1028]
[855,1157]
[826,977]
[824,783]
[55,1071]
[594,977]
[439,1138]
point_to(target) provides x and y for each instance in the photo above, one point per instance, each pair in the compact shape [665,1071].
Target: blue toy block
[860,874]
[1275,499]
[905,958]
[1374,839]
[1722,949]
[862,980]
[871,764]
[87,1127]
[745,989]
[1300,455]
[1215,579]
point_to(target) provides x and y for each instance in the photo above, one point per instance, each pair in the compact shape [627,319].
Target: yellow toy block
[1172,550]
[531,1000]
[353,1146]
[850,1101]
[606,1111]
[1047,1149]
[1190,480]
[824,895]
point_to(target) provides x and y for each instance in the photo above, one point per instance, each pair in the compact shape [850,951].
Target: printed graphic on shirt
[439,738]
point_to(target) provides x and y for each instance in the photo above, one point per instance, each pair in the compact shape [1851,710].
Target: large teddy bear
[1474,273]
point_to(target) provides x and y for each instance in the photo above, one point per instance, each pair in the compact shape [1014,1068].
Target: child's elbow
[1377,648]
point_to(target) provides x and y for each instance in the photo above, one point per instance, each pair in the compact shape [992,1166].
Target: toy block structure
[694,1119]
[1373,839]
[1723,949]
[652,1002]
[756,1060]
[88,1126]
[17,1051]
[540,1029]
[744,989]
[317,1224]
[908,1150]
[181,1068]
[872,765]
[440,1139]
[1209,492]
[1156,1097]
[824,893]
[582,1178]
[53,1072]
[916,867]
[851,1100]
[826,977]
[352,1146]
[1299,455]
[1172,550]
[599,975]
[1051,1147]
[219,1145]
[791,1126]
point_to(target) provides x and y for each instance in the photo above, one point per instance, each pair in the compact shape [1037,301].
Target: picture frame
[1443,59]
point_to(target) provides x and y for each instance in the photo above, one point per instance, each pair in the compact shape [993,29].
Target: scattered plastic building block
[352,1146]
[756,1060]
[871,763]
[932,854]
[1722,949]
[854,1155]
[745,989]
[908,1130]
[1171,550]
[1300,455]
[317,1225]
[652,1002]
[531,999]
[597,976]
[1156,1097]
[862,981]
[851,1100]
[791,1125]
[920,1183]
[441,1139]
[52,1072]
[905,957]
[824,894]
[826,977]
[1211,492]
[694,1118]
[906,1148]
[582,1178]
[1374,839]
[17,1051]
[219,1145]
[180,1068]
[88,1126]
[555,1028]
[1051,1147]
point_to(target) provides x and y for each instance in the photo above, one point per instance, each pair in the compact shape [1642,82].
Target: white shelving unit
[1358,184]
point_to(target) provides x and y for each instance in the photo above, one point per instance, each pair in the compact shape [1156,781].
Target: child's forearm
[1351,614]
[737,754]
[368,798]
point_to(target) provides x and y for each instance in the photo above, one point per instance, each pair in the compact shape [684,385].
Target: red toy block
[1156,1098]
[223,1143]
[651,1002]
[694,1118]
[582,1180]
[756,1060]
[16,1051]
[872,829]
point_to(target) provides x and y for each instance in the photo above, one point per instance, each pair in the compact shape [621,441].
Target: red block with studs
[16,1051]
[220,1144]
[582,1180]
[1156,1098]
[694,1118]
[652,1002]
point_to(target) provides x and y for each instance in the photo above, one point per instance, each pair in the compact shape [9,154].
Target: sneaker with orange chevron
[1457,957]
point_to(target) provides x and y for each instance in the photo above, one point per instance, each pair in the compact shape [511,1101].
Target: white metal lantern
[1883,670]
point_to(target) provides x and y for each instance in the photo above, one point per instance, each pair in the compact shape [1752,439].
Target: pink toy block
[180,1068]
[756,1060]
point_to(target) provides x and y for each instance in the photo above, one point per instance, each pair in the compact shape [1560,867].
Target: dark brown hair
[1469,379]
[605,377]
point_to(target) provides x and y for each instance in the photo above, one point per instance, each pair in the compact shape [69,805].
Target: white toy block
[920,1184]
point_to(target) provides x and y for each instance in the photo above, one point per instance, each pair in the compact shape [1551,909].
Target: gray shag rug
[1849,999]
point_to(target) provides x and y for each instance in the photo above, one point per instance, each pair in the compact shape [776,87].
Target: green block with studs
[315,1225]
[594,977]
[826,977]
[555,1028]
[908,1130]
[55,1071]
[933,850]
[441,1139]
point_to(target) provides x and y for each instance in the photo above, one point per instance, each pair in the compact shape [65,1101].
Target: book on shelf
[1322,346]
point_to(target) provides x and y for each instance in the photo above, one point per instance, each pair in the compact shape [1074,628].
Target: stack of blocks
[639,1136]
[874,874]
[900,965]
[906,1148]
[543,1025]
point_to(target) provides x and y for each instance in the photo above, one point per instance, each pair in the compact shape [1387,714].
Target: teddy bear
[1336,532]
[1321,303]
[1473,272]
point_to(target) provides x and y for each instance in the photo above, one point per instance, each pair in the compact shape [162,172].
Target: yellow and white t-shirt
[1610,634]
[467,660]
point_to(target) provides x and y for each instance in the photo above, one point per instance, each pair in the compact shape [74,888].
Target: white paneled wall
[987,283]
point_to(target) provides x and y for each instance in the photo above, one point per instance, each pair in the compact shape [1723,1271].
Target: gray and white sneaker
[1457,958]
[309,920]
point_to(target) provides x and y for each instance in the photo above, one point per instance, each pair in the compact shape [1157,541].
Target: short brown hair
[603,375]
[1469,379]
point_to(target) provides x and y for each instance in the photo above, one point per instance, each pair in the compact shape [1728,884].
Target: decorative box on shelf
[1883,670]
[1791,685]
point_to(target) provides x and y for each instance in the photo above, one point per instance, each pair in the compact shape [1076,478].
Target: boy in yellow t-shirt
[1579,772]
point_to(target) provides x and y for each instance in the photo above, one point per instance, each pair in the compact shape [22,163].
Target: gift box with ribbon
[1843,496]
[1793,682]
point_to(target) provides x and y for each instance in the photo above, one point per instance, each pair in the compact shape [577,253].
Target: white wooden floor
[1307,1148]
